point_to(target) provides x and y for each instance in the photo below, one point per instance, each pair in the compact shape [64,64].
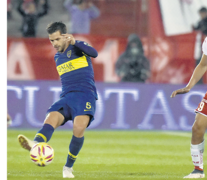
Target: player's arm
[83,46]
[198,72]
[196,76]
[86,48]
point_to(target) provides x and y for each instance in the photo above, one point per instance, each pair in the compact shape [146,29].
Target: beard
[61,48]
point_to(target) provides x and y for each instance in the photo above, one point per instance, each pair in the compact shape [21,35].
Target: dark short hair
[203,9]
[56,26]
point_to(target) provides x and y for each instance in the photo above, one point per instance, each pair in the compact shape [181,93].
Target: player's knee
[80,124]
[54,119]
[78,130]
[78,133]
[197,130]
[79,127]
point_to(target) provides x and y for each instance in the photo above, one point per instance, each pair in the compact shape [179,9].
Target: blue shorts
[74,104]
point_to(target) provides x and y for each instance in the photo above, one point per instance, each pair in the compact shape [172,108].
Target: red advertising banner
[33,58]
[171,58]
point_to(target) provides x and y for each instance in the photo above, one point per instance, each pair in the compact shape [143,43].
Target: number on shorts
[88,105]
[201,106]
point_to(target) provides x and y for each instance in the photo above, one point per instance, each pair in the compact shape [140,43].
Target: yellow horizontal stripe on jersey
[72,65]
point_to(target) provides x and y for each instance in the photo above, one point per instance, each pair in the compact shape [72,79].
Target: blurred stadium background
[170,44]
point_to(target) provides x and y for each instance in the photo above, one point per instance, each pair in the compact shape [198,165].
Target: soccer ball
[42,154]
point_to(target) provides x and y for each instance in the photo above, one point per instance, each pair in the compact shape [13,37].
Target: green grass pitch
[107,155]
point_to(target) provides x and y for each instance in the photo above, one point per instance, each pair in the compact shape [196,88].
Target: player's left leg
[197,145]
[52,121]
[55,117]
[80,124]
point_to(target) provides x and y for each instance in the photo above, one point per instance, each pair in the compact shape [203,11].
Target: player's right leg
[80,124]
[197,146]
[52,121]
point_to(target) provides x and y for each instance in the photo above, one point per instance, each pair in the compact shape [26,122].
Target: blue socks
[44,134]
[74,148]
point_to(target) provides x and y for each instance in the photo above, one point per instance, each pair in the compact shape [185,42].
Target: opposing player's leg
[53,120]
[197,145]
[80,124]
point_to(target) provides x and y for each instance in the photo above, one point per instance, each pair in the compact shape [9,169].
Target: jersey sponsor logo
[72,65]
[69,54]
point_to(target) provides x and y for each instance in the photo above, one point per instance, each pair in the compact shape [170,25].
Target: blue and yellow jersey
[75,68]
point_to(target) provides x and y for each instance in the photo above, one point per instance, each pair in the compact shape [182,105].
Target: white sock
[197,155]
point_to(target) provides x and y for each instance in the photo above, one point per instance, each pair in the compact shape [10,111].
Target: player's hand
[69,38]
[180,91]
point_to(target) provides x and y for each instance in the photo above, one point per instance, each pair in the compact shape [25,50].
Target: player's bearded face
[58,41]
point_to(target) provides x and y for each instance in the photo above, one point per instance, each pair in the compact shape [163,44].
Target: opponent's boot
[195,174]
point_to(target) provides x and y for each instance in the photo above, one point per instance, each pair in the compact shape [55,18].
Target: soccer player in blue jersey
[78,98]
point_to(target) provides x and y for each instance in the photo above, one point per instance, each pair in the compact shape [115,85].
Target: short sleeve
[204,46]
